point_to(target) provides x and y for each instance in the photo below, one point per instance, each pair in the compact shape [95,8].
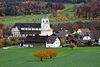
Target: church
[32,29]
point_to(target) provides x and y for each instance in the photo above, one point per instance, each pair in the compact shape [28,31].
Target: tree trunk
[41,59]
[50,57]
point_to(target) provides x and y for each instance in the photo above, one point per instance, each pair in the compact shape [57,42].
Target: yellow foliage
[48,15]
[63,18]
[59,11]
[58,15]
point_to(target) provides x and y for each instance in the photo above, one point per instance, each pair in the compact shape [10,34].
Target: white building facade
[99,41]
[25,29]
[45,27]
[41,41]
[55,44]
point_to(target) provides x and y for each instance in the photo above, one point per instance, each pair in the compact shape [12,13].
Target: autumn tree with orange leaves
[41,54]
[51,53]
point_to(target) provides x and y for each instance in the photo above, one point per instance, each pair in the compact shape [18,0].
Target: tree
[75,26]
[61,6]
[87,11]
[51,53]
[49,5]
[1,33]
[76,36]
[63,41]
[41,54]
[1,44]
[72,45]
[8,42]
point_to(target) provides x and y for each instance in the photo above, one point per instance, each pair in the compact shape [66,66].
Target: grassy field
[78,57]
[10,20]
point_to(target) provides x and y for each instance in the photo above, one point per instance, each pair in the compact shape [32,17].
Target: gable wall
[15,32]
[99,41]
[55,44]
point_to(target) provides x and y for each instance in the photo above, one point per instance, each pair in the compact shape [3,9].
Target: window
[23,35]
[40,29]
[56,42]
[26,28]
[33,29]
[29,29]
[30,34]
[22,28]
[36,29]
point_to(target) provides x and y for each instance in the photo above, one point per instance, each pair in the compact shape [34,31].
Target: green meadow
[24,57]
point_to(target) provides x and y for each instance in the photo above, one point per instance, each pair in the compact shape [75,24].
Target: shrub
[12,41]
[1,44]
[8,41]
[72,45]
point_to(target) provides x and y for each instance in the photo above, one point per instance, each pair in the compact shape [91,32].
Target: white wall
[15,32]
[27,45]
[45,24]
[99,41]
[79,32]
[86,38]
[55,44]
[45,27]
[46,32]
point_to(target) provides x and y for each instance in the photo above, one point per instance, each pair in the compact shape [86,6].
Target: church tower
[46,30]
[45,24]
